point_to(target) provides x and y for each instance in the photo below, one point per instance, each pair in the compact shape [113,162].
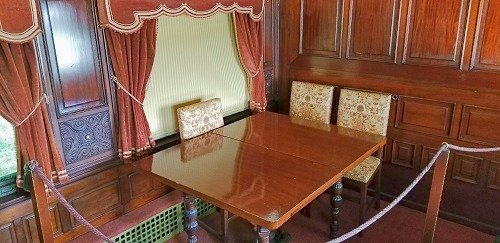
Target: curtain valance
[127,16]
[19,20]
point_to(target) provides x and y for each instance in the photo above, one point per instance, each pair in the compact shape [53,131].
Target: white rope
[443,148]
[120,86]
[44,97]
[473,150]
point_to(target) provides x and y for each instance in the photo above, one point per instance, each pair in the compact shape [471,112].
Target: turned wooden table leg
[263,234]
[336,200]
[190,214]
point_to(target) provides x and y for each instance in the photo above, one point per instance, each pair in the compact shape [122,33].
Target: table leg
[263,234]
[336,200]
[190,214]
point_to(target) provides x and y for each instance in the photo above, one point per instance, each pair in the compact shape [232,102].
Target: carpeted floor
[400,225]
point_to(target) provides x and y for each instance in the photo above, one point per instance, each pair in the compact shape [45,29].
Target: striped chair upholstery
[200,118]
[311,101]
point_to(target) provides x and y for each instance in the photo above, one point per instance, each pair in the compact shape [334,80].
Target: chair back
[200,118]
[311,101]
[364,111]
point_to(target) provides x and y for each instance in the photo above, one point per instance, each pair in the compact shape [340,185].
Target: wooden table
[264,168]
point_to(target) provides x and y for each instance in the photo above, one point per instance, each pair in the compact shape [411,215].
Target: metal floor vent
[162,226]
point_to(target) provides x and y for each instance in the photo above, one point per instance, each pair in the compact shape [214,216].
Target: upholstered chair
[368,112]
[198,119]
[311,101]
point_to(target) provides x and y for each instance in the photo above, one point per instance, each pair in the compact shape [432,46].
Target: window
[196,60]
[8,158]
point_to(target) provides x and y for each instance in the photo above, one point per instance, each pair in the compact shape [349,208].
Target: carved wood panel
[487,42]
[86,136]
[434,35]
[466,168]
[74,56]
[494,175]
[480,125]
[426,116]
[321,25]
[403,153]
[372,30]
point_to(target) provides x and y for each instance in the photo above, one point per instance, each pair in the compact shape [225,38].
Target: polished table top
[322,143]
[264,178]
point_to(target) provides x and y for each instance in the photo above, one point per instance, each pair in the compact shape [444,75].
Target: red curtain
[132,56]
[20,92]
[249,39]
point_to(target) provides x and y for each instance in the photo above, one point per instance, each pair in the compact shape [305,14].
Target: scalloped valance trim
[141,15]
[28,34]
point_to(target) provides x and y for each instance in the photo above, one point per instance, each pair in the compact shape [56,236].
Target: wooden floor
[400,225]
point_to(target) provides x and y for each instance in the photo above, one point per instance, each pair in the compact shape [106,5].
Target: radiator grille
[162,226]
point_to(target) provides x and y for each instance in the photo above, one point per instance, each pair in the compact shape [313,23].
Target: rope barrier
[443,148]
[120,86]
[34,168]
[44,97]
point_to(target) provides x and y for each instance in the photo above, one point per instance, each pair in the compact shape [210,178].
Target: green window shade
[196,60]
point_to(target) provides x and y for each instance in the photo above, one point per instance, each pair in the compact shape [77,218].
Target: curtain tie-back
[44,97]
[120,86]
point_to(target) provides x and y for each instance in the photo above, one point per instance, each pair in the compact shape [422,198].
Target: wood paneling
[74,70]
[97,197]
[7,233]
[371,34]
[436,97]
[480,125]
[321,22]
[403,153]
[269,35]
[140,184]
[434,35]
[104,199]
[487,51]
[466,168]
[426,156]
[75,55]
[30,228]
[494,175]
[426,116]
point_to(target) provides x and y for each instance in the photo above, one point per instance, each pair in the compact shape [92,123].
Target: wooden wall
[440,59]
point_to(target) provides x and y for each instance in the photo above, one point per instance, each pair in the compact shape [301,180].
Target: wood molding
[421,45]
[320,34]
[486,52]
[371,35]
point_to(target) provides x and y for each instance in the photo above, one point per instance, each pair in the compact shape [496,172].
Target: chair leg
[362,205]
[378,188]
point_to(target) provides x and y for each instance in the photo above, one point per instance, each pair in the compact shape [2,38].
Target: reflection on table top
[267,176]
[322,143]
